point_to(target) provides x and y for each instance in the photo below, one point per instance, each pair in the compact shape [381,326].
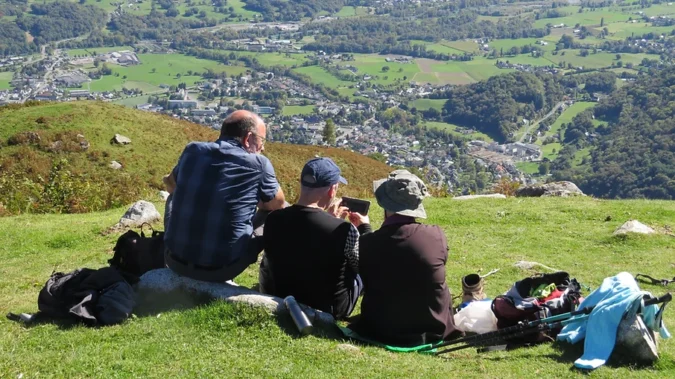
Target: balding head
[239,123]
[242,125]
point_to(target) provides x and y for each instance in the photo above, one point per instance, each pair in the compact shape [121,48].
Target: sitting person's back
[215,188]
[310,253]
[407,301]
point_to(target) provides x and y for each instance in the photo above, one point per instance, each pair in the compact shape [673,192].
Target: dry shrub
[507,187]
[24,138]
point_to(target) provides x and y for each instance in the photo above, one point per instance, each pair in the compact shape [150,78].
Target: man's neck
[308,203]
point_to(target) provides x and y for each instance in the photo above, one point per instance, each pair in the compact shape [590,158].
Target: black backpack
[93,297]
[137,254]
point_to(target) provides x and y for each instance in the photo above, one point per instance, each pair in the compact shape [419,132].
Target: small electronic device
[356,205]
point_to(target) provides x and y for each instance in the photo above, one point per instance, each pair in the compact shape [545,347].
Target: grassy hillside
[221,340]
[40,174]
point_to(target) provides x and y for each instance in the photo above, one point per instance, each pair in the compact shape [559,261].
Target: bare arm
[169,182]
[276,203]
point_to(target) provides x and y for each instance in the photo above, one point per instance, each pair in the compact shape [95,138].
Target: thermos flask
[299,317]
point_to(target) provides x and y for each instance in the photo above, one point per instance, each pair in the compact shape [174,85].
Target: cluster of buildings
[8,62]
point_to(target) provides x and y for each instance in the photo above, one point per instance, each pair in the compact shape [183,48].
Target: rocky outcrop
[115,165]
[633,226]
[560,189]
[164,282]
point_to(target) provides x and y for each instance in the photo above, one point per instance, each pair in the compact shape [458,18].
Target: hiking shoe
[472,288]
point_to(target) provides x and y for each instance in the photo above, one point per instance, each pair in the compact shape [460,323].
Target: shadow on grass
[150,305]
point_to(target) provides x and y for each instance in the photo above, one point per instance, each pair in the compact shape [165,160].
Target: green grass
[588,17]
[346,11]
[451,128]
[528,167]
[567,116]
[5,79]
[275,59]
[292,110]
[580,155]
[166,68]
[320,75]
[144,162]
[224,340]
[132,102]
[551,150]
[598,60]
[424,104]
[506,44]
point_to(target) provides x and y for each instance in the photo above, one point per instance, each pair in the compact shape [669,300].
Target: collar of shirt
[398,219]
[232,141]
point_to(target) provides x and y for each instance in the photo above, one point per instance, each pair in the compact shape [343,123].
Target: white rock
[163,195]
[164,281]
[120,140]
[489,196]
[634,226]
[115,165]
[142,211]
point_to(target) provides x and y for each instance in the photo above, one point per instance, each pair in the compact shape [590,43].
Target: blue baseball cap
[321,172]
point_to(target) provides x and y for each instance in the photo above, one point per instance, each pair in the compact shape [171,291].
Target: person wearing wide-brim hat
[406,300]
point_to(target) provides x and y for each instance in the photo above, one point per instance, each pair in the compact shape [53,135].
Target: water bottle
[299,317]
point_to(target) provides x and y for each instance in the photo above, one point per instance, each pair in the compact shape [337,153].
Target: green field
[423,104]
[320,75]
[225,340]
[166,68]
[5,79]
[293,110]
[531,168]
[551,150]
[567,116]
[346,11]
[132,102]
[275,59]
[451,128]
[587,18]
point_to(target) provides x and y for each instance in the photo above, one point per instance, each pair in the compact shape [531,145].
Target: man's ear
[332,192]
[246,140]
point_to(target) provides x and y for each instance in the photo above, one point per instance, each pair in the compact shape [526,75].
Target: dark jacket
[406,301]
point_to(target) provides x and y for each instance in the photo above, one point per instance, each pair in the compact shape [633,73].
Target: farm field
[567,116]
[528,167]
[132,101]
[452,128]
[586,18]
[551,150]
[5,78]
[274,59]
[294,110]
[158,69]
[424,104]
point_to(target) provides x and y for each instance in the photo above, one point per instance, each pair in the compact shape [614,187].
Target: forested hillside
[634,154]
[497,106]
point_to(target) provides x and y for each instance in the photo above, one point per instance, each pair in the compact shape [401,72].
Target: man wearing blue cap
[310,253]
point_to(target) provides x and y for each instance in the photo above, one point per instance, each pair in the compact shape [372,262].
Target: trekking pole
[521,333]
[531,325]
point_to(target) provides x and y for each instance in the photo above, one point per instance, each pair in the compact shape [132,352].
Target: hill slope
[220,340]
[55,157]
